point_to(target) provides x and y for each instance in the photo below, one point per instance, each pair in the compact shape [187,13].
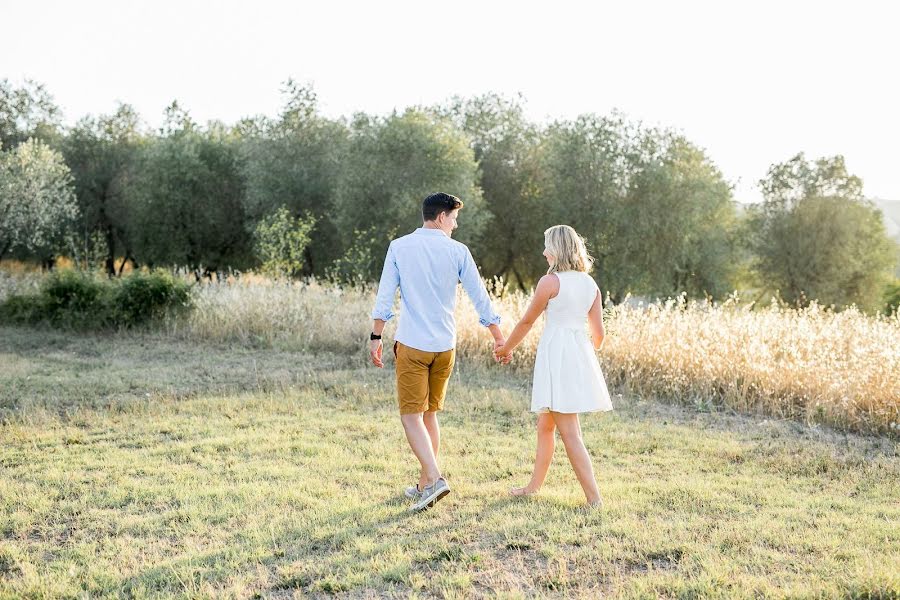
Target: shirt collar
[425,231]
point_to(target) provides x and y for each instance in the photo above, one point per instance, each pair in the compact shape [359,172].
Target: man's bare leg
[420,442]
[434,433]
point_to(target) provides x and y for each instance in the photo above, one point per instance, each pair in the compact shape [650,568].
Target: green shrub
[73,299]
[142,297]
[892,297]
[360,264]
[19,309]
[78,300]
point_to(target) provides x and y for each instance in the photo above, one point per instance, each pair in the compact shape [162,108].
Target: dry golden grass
[287,315]
[813,365]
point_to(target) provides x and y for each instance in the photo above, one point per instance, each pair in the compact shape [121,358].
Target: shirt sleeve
[387,287]
[474,286]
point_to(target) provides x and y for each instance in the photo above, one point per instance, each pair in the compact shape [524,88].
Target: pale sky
[752,84]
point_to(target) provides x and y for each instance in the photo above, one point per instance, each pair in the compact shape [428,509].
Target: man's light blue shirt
[426,265]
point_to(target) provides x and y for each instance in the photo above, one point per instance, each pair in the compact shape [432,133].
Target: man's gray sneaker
[430,495]
[412,491]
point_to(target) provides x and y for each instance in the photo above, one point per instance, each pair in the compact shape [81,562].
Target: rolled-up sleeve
[387,287]
[474,286]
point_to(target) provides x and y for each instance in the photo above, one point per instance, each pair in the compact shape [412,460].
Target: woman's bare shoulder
[548,284]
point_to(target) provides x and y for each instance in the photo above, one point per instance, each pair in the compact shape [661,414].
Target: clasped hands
[502,352]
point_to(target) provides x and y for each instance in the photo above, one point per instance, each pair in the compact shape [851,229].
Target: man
[427,265]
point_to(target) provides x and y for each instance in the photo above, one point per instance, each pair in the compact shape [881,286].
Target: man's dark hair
[436,204]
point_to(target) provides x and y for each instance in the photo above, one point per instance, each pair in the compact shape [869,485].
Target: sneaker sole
[432,501]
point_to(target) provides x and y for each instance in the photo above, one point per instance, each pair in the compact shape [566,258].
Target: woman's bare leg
[546,442]
[570,432]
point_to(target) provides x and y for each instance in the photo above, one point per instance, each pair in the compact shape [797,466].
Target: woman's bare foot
[522,491]
[598,503]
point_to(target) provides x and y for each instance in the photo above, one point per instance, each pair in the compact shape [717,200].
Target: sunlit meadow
[814,365]
[141,466]
[248,450]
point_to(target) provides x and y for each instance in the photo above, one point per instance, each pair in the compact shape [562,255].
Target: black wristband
[374,337]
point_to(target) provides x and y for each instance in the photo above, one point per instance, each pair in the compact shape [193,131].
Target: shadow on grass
[304,559]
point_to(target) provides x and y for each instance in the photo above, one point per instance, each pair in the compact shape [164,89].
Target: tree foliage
[280,241]
[100,151]
[395,162]
[657,213]
[296,162]
[675,228]
[185,197]
[817,238]
[507,150]
[27,112]
[37,203]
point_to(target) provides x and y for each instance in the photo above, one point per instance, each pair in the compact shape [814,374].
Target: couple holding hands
[427,265]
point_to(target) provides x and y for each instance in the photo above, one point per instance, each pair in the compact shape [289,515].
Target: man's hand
[498,343]
[376,348]
[499,340]
[502,354]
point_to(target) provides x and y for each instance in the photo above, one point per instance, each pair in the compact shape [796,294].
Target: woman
[567,376]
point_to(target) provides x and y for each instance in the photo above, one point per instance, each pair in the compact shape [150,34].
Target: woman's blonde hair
[568,250]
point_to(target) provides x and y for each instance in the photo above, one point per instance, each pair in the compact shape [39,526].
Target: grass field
[818,366]
[815,365]
[142,465]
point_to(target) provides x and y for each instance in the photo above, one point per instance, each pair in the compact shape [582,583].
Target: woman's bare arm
[595,321]
[547,288]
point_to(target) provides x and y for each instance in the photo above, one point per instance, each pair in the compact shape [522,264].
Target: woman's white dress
[567,376]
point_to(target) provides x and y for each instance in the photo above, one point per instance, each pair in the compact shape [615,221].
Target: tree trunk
[125,260]
[505,268]
[110,252]
[307,255]
[519,279]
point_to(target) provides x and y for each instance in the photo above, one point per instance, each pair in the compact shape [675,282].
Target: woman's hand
[503,354]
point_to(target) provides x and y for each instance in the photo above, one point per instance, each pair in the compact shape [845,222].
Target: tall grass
[814,364]
[283,314]
[18,283]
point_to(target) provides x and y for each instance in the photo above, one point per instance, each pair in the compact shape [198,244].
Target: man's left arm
[384,302]
[474,286]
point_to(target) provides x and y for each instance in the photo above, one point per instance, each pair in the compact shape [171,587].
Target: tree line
[301,195]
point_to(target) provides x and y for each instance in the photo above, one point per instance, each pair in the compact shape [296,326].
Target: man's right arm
[384,302]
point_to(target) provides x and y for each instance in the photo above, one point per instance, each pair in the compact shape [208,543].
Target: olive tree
[817,238]
[185,195]
[27,112]
[100,151]
[295,162]
[506,147]
[392,164]
[37,202]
